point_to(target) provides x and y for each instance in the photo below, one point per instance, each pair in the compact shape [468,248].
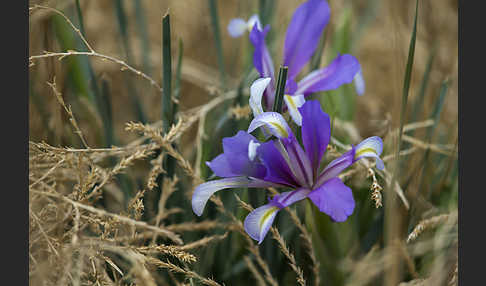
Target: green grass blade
[167,116]
[213,11]
[140,18]
[177,80]
[280,89]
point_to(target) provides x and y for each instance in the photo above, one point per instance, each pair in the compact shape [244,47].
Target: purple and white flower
[301,41]
[285,162]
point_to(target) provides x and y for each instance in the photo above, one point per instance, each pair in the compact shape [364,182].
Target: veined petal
[257,89]
[359,83]
[334,198]
[303,34]
[336,167]
[237,27]
[340,71]
[263,61]
[278,170]
[316,131]
[371,147]
[298,161]
[275,123]
[293,102]
[204,191]
[259,221]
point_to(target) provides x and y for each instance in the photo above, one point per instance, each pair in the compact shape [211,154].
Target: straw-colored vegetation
[110,186]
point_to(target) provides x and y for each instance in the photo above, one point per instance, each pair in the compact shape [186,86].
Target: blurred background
[207,63]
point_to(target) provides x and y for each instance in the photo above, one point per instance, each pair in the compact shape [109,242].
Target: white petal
[254,19]
[256,94]
[252,148]
[293,103]
[237,27]
[204,191]
[259,221]
[359,83]
[371,147]
[275,123]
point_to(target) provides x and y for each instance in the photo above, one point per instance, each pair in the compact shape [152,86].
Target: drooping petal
[237,27]
[371,147]
[278,170]
[259,221]
[335,199]
[359,83]
[257,89]
[204,191]
[293,102]
[263,61]
[275,123]
[303,34]
[336,166]
[340,71]
[316,131]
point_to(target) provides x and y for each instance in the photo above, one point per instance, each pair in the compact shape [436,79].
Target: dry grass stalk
[426,224]
[239,112]
[375,189]
[203,242]
[258,277]
[195,226]
[174,268]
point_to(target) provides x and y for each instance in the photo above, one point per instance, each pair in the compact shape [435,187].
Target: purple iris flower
[301,41]
[285,162]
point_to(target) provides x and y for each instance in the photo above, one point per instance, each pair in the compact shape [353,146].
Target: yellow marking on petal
[291,101]
[365,150]
[280,128]
[268,213]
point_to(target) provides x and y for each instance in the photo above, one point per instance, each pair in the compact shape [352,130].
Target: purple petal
[204,191]
[336,167]
[286,199]
[235,160]
[259,221]
[335,199]
[303,34]
[316,131]
[299,162]
[340,71]
[221,167]
[359,83]
[278,170]
[263,61]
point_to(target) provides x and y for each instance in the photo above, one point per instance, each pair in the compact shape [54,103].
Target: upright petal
[275,123]
[303,34]
[334,168]
[316,131]
[204,191]
[263,61]
[258,222]
[254,19]
[237,27]
[335,199]
[257,89]
[293,102]
[221,166]
[371,147]
[340,71]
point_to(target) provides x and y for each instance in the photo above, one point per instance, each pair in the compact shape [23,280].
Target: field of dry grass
[110,183]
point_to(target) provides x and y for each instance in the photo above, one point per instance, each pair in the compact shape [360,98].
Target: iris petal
[275,123]
[335,199]
[259,221]
[340,71]
[334,168]
[204,191]
[257,89]
[371,147]
[293,102]
[237,27]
